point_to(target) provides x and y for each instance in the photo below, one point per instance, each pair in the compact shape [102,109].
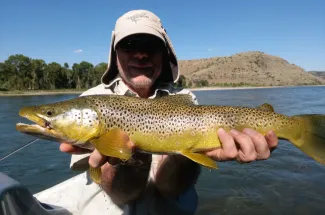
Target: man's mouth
[139,67]
[135,70]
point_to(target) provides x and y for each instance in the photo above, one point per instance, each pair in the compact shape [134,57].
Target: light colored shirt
[87,197]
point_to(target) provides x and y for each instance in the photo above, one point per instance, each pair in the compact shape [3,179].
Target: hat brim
[137,30]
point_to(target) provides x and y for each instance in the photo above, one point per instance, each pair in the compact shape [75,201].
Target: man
[143,63]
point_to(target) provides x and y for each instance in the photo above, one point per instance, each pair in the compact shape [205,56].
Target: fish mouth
[42,128]
[27,113]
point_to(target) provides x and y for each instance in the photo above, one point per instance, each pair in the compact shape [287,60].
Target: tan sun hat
[139,22]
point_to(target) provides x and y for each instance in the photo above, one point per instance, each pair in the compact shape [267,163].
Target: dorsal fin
[184,99]
[266,107]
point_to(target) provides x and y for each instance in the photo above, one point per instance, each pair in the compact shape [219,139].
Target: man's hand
[67,148]
[123,183]
[246,146]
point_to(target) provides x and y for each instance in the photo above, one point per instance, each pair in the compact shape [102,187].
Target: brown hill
[247,68]
[320,74]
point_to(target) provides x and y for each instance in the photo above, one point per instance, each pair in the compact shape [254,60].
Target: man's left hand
[245,146]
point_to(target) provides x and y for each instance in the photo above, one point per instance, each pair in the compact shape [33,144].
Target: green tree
[51,75]
[201,83]
[20,72]
[18,68]
[181,81]
[98,73]
[38,67]
[204,83]
[62,79]
[3,77]
[82,73]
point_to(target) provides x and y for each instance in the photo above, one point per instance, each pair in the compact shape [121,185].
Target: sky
[73,31]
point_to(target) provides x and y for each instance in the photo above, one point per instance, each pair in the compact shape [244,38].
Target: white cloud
[77,51]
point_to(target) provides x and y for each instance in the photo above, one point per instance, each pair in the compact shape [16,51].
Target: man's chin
[142,83]
[145,79]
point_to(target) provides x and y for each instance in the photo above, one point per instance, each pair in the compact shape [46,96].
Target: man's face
[140,60]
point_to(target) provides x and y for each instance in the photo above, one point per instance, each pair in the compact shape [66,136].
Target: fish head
[70,122]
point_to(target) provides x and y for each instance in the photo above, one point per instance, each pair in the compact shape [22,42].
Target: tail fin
[311,139]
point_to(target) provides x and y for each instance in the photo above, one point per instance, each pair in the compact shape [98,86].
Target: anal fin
[115,143]
[201,159]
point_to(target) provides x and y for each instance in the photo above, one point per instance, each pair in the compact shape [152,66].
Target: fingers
[67,148]
[246,146]
[272,140]
[96,159]
[246,152]
[260,144]
[228,151]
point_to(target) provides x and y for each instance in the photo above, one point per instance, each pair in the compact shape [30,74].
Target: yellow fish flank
[167,125]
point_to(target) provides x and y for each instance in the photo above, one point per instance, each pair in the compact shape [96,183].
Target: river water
[288,182]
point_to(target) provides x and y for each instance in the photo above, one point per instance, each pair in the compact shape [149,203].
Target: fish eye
[49,112]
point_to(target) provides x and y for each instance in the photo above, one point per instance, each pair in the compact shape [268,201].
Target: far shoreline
[74,92]
[39,92]
[248,88]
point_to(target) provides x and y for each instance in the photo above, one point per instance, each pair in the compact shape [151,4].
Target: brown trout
[167,125]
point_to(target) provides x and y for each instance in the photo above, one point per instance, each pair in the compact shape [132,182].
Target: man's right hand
[95,159]
[67,148]
[122,183]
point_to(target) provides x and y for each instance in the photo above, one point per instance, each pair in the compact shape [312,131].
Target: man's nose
[141,54]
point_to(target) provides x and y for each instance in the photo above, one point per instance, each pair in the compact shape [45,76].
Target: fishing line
[11,153]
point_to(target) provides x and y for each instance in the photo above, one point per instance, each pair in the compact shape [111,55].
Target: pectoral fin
[115,143]
[201,159]
[95,174]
